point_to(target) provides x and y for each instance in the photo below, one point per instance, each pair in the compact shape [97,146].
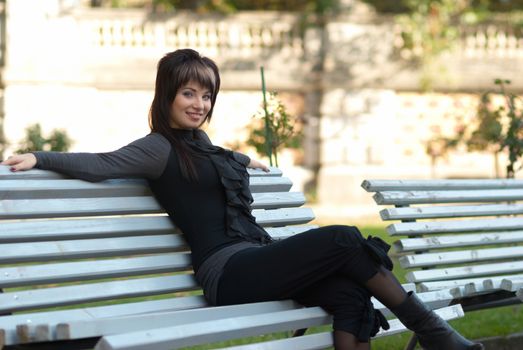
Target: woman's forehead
[195,85]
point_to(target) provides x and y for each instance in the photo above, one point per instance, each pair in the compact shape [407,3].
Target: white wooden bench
[66,244]
[464,236]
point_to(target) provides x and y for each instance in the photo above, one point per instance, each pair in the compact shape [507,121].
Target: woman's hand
[254,164]
[19,162]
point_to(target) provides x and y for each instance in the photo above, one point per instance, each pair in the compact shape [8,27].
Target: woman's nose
[198,103]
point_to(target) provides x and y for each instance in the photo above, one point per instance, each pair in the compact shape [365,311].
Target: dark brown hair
[175,70]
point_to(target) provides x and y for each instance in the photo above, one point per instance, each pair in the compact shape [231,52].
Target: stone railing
[247,34]
[492,40]
[112,43]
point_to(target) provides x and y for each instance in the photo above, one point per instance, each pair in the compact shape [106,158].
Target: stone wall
[92,72]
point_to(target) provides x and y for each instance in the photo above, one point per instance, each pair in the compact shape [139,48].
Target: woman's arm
[146,158]
[239,157]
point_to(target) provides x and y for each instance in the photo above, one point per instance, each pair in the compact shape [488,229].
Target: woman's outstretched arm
[145,158]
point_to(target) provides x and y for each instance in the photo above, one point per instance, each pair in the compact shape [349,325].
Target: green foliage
[498,127]
[58,141]
[227,6]
[270,133]
[428,29]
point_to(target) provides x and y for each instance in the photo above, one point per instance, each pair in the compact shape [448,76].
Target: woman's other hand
[254,164]
[19,162]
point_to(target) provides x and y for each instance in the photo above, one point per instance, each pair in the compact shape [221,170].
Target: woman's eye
[207,97]
[187,93]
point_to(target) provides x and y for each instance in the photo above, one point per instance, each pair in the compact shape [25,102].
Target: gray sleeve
[144,158]
[239,157]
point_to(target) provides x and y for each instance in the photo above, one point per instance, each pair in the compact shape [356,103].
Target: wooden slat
[287,231]
[88,270]
[60,229]
[44,230]
[325,340]
[59,296]
[77,207]
[281,217]
[41,189]
[6,174]
[455,226]
[424,197]
[460,257]
[456,283]
[212,331]
[434,212]
[179,336]
[424,185]
[462,272]
[89,248]
[453,241]
[132,323]
[44,189]
[9,323]
[274,200]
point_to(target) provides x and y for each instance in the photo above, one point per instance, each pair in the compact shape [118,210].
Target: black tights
[329,267]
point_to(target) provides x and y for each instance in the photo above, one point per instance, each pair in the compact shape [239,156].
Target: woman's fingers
[21,162]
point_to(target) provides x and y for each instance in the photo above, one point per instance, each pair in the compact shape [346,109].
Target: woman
[204,189]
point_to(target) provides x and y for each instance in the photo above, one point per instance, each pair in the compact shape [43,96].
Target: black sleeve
[239,157]
[144,158]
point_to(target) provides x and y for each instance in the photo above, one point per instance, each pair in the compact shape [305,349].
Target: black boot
[432,331]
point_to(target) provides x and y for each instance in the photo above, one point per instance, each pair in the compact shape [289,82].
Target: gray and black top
[212,212]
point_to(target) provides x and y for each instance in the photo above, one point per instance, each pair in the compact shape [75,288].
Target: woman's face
[190,106]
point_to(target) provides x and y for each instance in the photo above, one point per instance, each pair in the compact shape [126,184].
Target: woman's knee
[347,236]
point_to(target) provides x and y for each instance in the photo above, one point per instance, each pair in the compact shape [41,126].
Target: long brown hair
[175,70]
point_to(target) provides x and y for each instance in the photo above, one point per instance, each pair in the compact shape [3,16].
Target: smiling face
[191,105]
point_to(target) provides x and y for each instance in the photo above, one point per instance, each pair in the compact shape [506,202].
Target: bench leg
[299,332]
[413,341]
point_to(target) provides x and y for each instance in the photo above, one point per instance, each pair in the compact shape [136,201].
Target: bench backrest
[462,233]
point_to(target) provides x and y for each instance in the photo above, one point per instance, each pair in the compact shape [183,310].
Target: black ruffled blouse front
[213,211]
[235,180]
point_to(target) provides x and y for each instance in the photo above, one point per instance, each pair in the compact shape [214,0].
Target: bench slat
[424,197]
[287,216]
[210,331]
[131,323]
[421,185]
[87,270]
[324,340]
[41,189]
[462,256]
[44,189]
[44,230]
[450,211]
[465,271]
[6,174]
[490,282]
[68,207]
[68,295]
[205,332]
[89,248]
[476,225]
[452,241]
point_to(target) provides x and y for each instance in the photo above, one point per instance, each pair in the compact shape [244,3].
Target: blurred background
[375,88]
